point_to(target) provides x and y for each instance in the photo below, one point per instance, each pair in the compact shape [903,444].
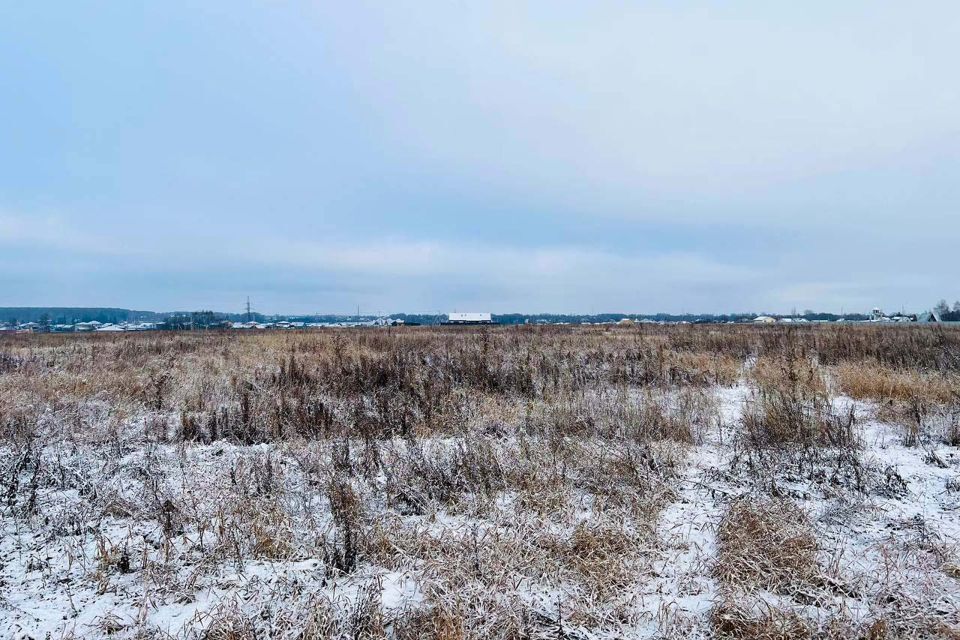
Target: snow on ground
[58,576]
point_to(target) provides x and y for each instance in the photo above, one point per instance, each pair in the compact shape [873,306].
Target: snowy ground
[131,539]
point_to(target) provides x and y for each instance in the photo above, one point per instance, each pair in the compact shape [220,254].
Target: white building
[469,318]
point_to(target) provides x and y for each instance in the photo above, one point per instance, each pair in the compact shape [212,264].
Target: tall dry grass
[493,463]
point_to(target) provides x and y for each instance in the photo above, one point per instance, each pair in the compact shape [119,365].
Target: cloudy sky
[498,155]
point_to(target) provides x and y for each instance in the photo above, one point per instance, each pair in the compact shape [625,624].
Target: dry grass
[732,622]
[766,544]
[882,384]
[444,483]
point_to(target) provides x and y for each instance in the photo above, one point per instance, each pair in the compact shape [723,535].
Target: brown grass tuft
[766,544]
[731,622]
[865,381]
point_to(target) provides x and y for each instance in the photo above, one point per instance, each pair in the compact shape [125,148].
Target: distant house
[142,326]
[929,316]
[764,320]
[469,318]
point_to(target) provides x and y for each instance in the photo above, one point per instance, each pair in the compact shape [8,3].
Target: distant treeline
[519,318]
[582,318]
[73,315]
[197,319]
[946,312]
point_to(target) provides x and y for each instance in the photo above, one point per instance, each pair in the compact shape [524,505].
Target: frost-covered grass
[689,482]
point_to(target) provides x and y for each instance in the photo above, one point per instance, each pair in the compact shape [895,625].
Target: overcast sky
[491,156]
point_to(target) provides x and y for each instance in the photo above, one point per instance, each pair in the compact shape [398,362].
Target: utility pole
[249,313]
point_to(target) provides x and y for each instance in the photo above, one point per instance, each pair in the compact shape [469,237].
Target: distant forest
[179,319]
[72,315]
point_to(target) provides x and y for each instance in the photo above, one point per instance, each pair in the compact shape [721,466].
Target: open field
[560,482]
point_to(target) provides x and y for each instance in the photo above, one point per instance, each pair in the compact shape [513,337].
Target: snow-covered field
[616,508]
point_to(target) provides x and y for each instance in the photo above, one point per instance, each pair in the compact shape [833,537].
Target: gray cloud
[512,157]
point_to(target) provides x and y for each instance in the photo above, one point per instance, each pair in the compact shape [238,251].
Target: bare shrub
[780,418]
[366,619]
[951,426]
[444,474]
[345,506]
